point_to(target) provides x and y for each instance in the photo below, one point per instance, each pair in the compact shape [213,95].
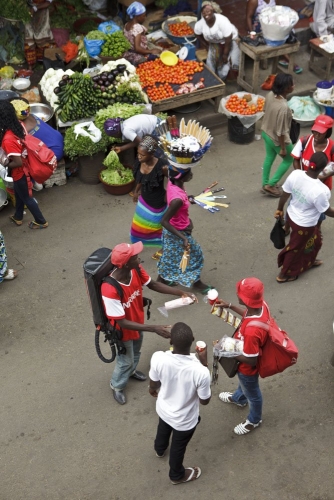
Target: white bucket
[324,90]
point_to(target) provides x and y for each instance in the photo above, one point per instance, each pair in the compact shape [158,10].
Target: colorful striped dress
[151,206]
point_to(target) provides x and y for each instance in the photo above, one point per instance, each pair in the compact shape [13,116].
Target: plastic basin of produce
[169,58]
[180,40]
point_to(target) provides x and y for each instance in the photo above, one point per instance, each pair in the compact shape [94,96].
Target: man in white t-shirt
[183,381]
[131,130]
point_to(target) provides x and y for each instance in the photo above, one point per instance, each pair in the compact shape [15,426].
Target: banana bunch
[184,260]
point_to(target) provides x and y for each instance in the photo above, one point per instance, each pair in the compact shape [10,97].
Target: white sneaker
[37,187]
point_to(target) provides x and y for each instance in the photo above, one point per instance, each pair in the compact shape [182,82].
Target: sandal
[272,191]
[297,69]
[157,255]
[284,63]
[10,274]
[35,225]
[195,474]
[286,280]
[246,427]
[17,222]
[226,397]
[317,263]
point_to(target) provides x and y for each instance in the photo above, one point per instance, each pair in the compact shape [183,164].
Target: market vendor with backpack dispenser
[262,349]
[115,281]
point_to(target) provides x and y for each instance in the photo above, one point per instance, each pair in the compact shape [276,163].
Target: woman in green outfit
[276,133]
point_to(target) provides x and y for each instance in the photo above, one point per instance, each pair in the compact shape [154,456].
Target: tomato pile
[153,73]
[180,29]
[244,106]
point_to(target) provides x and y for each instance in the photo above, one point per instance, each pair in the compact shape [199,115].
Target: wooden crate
[214,89]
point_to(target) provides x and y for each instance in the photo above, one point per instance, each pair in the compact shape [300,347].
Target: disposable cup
[212,296]
[252,34]
[200,346]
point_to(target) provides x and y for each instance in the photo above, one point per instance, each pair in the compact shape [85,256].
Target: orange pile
[180,29]
[239,105]
[153,72]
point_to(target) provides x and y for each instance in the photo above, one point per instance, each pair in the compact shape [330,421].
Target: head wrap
[214,5]
[112,126]
[149,143]
[135,9]
[22,108]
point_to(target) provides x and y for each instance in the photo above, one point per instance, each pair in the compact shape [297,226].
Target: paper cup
[200,346]
[212,296]
[252,34]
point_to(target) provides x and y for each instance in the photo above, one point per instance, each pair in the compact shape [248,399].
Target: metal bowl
[43,111]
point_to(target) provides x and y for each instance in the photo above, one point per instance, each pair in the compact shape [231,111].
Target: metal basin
[43,111]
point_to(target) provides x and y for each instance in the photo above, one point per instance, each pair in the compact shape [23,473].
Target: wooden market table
[261,53]
[215,89]
[316,66]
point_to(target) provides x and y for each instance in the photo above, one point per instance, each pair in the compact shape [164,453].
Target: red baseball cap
[123,252]
[322,123]
[250,291]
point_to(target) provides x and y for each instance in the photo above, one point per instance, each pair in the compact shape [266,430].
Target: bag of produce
[304,108]
[93,47]
[108,27]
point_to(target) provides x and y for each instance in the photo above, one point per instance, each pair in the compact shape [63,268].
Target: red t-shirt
[13,146]
[253,337]
[131,305]
[305,155]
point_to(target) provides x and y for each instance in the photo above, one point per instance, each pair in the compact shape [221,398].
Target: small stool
[316,66]
[59,177]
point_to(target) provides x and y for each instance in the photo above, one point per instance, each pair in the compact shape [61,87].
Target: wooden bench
[316,65]
[261,53]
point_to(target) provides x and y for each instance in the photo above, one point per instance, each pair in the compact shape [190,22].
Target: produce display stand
[316,66]
[214,89]
[261,53]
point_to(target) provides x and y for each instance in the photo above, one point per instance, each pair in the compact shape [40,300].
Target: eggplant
[56,90]
[121,67]
[62,83]
[96,78]
[104,77]
[111,77]
[115,72]
[102,88]
[100,82]
[70,81]
[107,83]
[65,77]
[96,85]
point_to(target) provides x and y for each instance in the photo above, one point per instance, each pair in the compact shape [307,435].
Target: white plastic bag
[246,120]
[228,347]
[94,133]
[96,4]
[304,108]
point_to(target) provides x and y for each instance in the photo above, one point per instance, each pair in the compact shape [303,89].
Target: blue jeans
[126,364]
[22,198]
[249,392]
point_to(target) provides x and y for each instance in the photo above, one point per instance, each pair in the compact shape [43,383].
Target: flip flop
[297,69]
[317,263]
[192,476]
[35,225]
[286,280]
[157,255]
[283,63]
[17,222]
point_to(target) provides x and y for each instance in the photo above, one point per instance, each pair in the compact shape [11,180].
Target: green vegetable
[115,45]
[82,146]
[115,173]
[17,10]
[95,35]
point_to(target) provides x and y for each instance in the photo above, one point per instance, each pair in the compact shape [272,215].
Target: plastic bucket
[238,133]
[324,90]
[275,43]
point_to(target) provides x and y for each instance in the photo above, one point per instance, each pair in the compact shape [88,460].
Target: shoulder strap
[259,324]
[111,281]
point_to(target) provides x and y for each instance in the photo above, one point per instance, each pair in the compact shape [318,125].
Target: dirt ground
[62,434]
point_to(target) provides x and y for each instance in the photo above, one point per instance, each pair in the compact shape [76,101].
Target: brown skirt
[301,251]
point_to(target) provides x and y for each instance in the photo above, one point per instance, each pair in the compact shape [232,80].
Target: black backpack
[97,269]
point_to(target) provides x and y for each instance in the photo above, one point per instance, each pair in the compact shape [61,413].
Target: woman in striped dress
[150,195]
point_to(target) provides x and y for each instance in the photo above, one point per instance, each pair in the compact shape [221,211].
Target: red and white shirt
[254,337]
[304,155]
[131,305]
[13,146]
